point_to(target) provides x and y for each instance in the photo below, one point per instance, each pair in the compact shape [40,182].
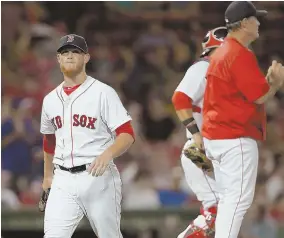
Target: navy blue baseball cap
[73,40]
[239,10]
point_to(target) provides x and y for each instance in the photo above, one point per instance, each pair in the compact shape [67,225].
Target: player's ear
[86,58]
[244,23]
[58,58]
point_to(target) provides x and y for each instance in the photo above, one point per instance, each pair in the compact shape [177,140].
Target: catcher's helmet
[213,39]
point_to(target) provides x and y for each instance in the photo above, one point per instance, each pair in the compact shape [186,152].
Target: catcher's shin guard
[211,210]
[208,231]
[210,217]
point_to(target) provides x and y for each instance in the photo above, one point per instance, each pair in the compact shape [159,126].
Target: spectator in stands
[259,224]
[16,150]
[9,199]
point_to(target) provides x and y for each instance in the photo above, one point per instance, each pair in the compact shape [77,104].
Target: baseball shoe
[203,226]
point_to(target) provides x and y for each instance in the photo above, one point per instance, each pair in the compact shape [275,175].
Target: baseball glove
[43,200]
[198,157]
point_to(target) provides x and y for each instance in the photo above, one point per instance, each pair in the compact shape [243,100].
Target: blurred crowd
[142,49]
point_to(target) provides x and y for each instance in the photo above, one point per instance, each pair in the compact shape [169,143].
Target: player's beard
[71,71]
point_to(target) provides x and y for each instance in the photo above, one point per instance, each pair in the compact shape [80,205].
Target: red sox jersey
[84,122]
[193,86]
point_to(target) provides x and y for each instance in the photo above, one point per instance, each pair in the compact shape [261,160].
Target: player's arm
[183,106]
[270,94]
[191,88]
[49,141]
[48,131]
[124,139]
[250,80]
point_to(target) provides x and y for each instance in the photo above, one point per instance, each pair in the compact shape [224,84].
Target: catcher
[188,100]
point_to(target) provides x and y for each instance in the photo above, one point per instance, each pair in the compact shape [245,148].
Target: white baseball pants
[204,187]
[237,162]
[74,195]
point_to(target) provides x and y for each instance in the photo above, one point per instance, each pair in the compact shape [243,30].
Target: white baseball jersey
[193,85]
[84,122]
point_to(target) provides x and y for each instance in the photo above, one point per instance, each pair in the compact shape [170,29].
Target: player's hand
[99,165]
[198,140]
[43,200]
[46,184]
[276,74]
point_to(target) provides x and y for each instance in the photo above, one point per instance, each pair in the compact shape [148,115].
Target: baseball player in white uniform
[85,127]
[188,101]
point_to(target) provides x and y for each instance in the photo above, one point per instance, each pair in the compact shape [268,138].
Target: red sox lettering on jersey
[83,122]
[79,120]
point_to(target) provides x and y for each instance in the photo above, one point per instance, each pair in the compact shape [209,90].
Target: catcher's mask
[213,39]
